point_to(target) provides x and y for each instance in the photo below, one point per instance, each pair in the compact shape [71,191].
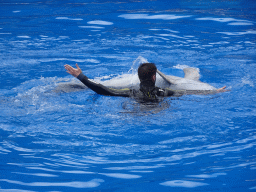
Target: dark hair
[146,71]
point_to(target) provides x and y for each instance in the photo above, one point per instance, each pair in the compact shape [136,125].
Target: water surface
[57,136]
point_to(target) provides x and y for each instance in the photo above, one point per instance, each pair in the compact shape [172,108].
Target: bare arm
[73,71]
[222,89]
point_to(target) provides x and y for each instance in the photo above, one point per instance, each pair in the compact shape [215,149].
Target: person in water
[147,91]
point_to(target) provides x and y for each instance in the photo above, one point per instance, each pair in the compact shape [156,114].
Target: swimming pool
[57,136]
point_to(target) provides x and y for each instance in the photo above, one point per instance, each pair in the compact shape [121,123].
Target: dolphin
[189,83]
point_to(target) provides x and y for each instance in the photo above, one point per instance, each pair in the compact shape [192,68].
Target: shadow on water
[138,108]
[69,87]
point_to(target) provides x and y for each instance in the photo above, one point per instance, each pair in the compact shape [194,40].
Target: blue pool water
[57,136]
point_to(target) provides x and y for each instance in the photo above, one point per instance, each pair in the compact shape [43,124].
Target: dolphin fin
[165,77]
[191,73]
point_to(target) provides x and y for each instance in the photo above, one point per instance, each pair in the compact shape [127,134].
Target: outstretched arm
[97,87]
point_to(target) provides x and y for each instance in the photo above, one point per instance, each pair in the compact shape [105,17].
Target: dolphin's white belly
[130,80]
[188,84]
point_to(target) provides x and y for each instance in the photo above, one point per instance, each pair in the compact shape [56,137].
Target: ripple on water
[15,190]
[99,22]
[182,183]
[203,176]
[121,175]
[75,184]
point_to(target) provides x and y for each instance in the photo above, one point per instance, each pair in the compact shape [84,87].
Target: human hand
[73,71]
[222,89]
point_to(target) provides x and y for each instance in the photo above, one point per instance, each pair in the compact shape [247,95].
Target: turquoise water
[57,136]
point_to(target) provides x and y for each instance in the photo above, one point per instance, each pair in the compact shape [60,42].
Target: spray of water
[136,64]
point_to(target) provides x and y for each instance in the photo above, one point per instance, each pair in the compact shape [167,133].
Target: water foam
[180,66]
[129,79]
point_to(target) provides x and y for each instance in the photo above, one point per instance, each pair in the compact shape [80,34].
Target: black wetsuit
[147,91]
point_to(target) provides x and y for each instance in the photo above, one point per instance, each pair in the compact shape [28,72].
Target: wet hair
[146,71]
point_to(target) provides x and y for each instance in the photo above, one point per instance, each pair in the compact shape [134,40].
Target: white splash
[247,81]
[179,66]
